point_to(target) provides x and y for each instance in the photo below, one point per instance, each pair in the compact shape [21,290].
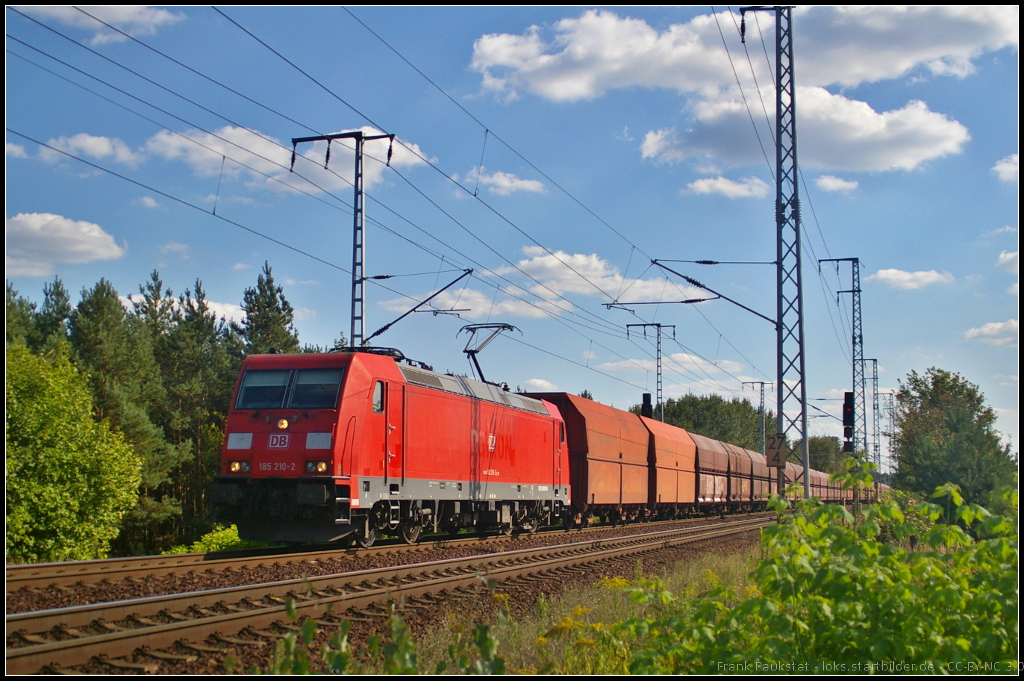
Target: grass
[570,632]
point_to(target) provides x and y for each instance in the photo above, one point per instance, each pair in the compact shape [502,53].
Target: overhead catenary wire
[592,283]
[610,328]
[381,225]
[807,194]
[255,232]
[372,122]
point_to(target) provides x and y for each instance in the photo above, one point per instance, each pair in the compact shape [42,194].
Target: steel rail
[42,575]
[408,581]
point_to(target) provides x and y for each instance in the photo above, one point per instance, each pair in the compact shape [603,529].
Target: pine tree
[269,318]
[115,350]
[199,373]
[20,315]
[51,323]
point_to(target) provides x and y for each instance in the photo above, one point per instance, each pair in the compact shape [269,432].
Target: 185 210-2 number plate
[278,466]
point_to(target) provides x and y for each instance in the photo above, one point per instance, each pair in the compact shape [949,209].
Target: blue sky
[564,150]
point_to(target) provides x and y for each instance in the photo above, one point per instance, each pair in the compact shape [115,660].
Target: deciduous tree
[70,479]
[946,434]
[735,421]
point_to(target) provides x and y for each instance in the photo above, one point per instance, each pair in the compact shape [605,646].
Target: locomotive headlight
[282,424]
[235,466]
[316,466]
[245,466]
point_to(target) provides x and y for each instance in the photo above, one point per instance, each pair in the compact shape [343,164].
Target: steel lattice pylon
[791,365]
[860,431]
[358,220]
[876,417]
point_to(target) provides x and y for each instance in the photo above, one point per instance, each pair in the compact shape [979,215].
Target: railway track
[215,619]
[44,575]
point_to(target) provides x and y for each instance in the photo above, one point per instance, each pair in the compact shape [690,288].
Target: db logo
[278,441]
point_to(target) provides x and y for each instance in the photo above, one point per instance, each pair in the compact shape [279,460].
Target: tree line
[116,412]
[157,374]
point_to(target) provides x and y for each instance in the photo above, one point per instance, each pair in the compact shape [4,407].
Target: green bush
[833,594]
[70,480]
[832,598]
[220,539]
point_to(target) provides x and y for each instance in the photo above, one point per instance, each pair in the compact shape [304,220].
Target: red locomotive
[320,446]
[325,446]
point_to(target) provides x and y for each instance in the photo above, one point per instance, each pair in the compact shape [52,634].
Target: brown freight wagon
[672,457]
[608,451]
[712,470]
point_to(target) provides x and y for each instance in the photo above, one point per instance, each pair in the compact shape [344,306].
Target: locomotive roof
[449,383]
[463,385]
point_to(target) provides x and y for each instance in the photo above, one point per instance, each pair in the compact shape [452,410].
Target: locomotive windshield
[296,389]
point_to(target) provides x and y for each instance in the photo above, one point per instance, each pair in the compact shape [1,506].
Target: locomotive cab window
[378,397]
[315,389]
[263,389]
[285,388]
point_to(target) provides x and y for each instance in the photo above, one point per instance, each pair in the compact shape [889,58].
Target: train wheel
[505,530]
[366,536]
[410,533]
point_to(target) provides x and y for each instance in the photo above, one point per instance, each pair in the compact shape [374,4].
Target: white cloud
[835,132]
[1002,230]
[830,183]
[559,274]
[679,361]
[240,266]
[93,146]
[590,275]
[600,51]
[746,188]
[585,57]
[228,311]
[587,354]
[910,280]
[1014,290]
[14,150]
[1008,262]
[135,20]
[302,314]
[38,241]
[148,202]
[539,385]
[996,333]
[1006,168]
[502,183]
[181,250]
[473,304]
[254,156]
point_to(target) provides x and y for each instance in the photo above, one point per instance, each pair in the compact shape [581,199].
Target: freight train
[323,447]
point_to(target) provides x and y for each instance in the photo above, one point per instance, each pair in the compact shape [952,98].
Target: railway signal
[849,422]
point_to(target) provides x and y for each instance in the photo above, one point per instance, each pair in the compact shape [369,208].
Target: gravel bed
[468,608]
[26,600]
